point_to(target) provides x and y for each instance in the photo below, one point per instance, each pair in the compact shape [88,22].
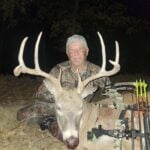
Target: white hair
[76,38]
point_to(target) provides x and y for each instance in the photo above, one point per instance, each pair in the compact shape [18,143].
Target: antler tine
[117,55]
[18,69]
[103,52]
[36,56]
[22,68]
[103,72]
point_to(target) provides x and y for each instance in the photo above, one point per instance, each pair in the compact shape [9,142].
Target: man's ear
[87,52]
[67,53]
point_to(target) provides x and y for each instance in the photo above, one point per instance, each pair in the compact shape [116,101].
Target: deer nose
[72,142]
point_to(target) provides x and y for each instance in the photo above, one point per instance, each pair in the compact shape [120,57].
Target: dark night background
[127,21]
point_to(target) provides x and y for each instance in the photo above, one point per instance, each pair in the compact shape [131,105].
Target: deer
[75,117]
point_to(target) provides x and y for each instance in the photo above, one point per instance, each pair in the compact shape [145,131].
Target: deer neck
[90,113]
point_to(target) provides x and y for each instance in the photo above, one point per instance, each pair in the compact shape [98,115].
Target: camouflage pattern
[44,103]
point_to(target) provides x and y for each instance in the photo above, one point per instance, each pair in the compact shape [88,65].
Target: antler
[22,68]
[103,72]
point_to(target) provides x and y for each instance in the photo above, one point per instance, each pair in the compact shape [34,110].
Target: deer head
[68,102]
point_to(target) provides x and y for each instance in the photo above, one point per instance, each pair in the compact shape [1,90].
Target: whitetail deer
[74,116]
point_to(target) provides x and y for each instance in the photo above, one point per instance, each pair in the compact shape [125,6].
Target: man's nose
[76,53]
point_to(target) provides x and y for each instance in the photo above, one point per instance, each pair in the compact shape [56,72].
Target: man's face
[77,53]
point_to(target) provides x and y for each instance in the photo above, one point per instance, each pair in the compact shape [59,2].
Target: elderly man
[77,52]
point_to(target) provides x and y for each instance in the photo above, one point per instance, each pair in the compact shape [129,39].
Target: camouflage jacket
[70,79]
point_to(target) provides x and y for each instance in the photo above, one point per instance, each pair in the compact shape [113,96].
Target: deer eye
[58,108]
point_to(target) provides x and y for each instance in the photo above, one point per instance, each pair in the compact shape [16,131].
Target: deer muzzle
[72,142]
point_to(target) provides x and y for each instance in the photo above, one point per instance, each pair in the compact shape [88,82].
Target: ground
[16,93]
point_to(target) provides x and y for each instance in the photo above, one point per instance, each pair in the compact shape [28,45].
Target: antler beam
[103,72]
[22,68]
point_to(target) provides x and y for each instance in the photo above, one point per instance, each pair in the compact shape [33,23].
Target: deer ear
[50,87]
[88,91]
